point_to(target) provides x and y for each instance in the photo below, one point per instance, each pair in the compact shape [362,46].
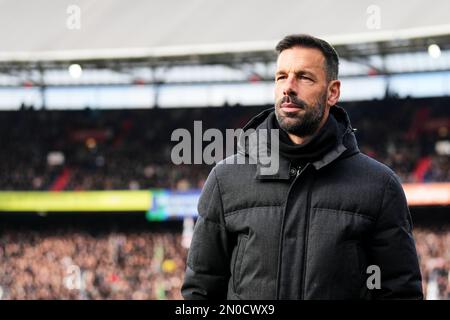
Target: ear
[334,91]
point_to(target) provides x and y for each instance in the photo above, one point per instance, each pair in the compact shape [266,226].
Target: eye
[305,78]
[280,77]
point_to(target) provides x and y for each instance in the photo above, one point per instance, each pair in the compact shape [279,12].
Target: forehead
[300,58]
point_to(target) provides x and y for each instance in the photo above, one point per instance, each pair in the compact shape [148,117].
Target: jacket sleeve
[207,270]
[392,247]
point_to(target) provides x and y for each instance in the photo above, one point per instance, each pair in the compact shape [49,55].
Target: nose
[290,87]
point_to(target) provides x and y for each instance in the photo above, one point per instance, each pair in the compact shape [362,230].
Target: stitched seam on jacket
[347,212]
[222,216]
[386,185]
[211,221]
[243,209]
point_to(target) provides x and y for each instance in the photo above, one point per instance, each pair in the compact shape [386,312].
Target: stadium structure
[91,206]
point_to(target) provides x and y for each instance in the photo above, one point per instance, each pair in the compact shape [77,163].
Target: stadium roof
[141,29]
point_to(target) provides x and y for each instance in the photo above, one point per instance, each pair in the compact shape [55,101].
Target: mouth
[290,107]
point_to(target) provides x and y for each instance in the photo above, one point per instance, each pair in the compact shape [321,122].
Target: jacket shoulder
[236,163]
[373,167]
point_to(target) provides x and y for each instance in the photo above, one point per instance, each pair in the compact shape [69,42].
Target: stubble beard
[303,122]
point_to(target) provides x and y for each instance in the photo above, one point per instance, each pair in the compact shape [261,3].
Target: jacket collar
[346,146]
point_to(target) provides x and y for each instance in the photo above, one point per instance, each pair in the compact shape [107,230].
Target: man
[331,223]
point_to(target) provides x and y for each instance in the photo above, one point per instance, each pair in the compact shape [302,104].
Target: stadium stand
[159,61]
[88,150]
[130,149]
[55,258]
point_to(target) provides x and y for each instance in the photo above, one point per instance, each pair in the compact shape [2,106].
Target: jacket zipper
[235,264]
[306,236]
[299,171]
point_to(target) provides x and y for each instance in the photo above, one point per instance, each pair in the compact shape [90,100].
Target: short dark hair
[307,41]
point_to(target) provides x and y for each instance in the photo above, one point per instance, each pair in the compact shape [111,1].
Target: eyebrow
[298,73]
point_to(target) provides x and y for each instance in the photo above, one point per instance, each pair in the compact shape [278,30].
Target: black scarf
[314,148]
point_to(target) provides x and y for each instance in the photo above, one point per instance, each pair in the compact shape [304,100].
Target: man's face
[300,90]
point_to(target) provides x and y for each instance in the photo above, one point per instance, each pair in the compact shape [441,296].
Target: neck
[297,139]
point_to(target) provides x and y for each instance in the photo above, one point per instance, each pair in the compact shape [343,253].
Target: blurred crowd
[131,149]
[433,248]
[411,136]
[68,263]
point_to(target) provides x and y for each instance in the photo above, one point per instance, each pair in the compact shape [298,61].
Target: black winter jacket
[303,233]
